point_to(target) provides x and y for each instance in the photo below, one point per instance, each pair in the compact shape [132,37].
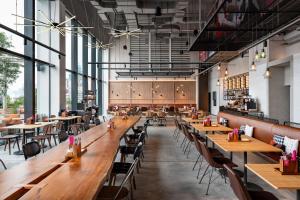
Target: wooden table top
[273,177]
[29,126]
[218,127]
[253,145]
[67,179]
[60,118]
[190,120]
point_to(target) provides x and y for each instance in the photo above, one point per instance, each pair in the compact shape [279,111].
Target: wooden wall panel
[152,92]
[163,90]
[141,90]
[119,90]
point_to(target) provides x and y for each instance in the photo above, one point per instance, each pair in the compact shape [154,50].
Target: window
[80,48]
[68,47]
[80,89]
[68,90]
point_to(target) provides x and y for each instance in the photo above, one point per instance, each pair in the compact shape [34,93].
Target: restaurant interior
[150,99]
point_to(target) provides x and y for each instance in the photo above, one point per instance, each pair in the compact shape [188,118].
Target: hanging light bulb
[263,53]
[225,78]
[218,82]
[253,66]
[256,55]
[219,67]
[226,72]
[267,73]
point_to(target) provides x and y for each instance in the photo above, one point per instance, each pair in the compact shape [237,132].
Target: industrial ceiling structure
[220,28]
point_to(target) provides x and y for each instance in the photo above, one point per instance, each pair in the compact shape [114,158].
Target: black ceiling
[237,23]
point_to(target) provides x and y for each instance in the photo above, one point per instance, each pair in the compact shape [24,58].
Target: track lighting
[253,66]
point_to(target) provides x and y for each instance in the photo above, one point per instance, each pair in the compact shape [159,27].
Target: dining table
[271,175]
[245,145]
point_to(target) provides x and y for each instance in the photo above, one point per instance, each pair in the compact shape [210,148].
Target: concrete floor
[167,173]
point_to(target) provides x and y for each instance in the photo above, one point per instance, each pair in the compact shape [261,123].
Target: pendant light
[253,66]
[263,53]
[267,73]
[226,72]
[218,82]
[256,55]
[219,66]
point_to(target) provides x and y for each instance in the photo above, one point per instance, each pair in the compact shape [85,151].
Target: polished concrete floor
[167,174]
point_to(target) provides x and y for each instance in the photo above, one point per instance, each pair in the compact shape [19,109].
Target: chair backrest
[237,184]
[197,144]
[187,133]
[62,136]
[31,149]
[75,129]
[206,154]
[128,177]
[47,129]
[59,125]
[138,150]
[142,137]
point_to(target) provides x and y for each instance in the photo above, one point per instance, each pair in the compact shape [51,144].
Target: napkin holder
[288,167]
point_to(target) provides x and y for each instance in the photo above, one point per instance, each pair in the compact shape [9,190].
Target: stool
[8,139]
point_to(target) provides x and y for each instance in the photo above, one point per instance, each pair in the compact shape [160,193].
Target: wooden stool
[8,139]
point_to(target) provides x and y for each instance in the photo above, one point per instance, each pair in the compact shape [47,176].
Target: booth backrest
[263,131]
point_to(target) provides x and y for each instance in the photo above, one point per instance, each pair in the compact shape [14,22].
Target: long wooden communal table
[253,145]
[51,176]
[274,178]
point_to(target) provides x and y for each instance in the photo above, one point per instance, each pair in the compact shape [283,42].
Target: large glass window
[68,90]
[11,84]
[90,55]
[68,39]
[80,48]
[80,89]
[42,88]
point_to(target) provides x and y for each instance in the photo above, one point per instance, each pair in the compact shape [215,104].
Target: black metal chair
[62,136]
[126,150]
[118,192]
[241,192]
[31,149]
[4,166]
[123,168]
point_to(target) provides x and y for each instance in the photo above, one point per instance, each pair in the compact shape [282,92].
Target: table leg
[231,156]
[298,194]
[23,140]
[245,168]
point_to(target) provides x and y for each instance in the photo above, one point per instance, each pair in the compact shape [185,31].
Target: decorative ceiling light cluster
[100,45]
[120,33]
[51,25]
[267,73]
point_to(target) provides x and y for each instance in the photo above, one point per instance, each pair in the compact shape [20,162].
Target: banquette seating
[263,131]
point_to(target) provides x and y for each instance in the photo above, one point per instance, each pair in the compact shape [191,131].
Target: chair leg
[5,145]
[3,164]
[203,174]
[200,166]
[188,153]
[17,141]
[9,147]
[43,144]
[49,141]
[134,184]
[209,181]
[196,162]
[182,141]
[186,147]
[54,138]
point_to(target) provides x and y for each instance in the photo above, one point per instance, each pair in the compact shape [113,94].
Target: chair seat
[7,137]
[41,137]
[262,195]
[222,160]
[120,168]
[127,149]
[109,192]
